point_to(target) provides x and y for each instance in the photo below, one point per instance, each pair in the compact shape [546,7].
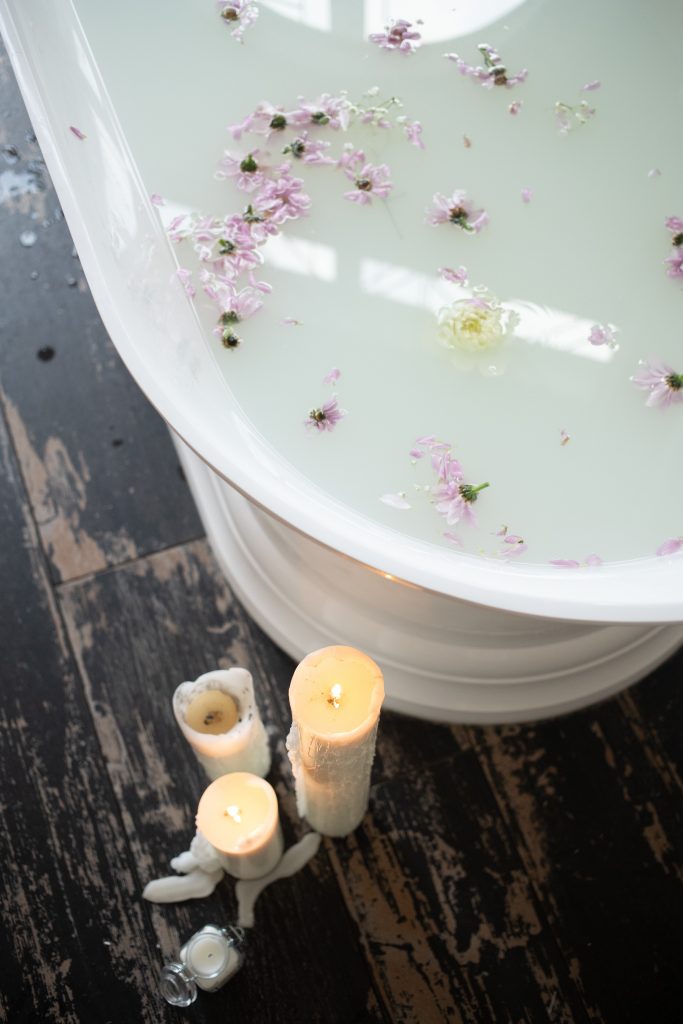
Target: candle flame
[335,693]
[233,811]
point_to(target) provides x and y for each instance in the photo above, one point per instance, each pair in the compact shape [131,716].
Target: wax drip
[295,858]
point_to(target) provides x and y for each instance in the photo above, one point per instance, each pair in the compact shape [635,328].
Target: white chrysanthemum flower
[475,324]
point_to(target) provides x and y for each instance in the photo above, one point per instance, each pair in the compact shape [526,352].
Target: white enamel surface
[611,490]
[442,658]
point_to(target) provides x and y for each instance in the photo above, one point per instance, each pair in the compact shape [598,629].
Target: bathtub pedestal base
[442,658]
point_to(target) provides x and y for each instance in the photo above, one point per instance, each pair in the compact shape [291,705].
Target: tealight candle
[238,816]
[335,695]
[218,716]
[206,961]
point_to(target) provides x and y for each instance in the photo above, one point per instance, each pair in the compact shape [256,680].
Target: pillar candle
[218,716]
[238,815]
[335,696]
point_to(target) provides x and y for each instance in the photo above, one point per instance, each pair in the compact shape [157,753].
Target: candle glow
[332,741]
[238,816]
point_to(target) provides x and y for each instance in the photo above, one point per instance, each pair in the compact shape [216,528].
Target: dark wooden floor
[501,875]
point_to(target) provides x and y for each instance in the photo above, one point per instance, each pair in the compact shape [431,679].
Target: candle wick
[233,811]
[335,693]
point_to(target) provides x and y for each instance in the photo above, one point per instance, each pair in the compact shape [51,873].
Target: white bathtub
[460,638]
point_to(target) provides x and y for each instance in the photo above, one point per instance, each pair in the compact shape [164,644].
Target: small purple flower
[236,306]
[413,131]
[326,111]
[457,276]
[332,377]
[246,171]
[457,209]
[670,547]
[527,195]
[494,72]
[603,334]
[311,151]
[239,14]
[371,180]
[454,498]
[398,35]
[283,197]
[327,416]
[665,386]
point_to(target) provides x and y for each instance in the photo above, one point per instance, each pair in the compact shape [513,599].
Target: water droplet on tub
[71,281]
[28,238]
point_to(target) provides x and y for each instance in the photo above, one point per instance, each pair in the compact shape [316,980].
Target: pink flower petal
[591,86]
[564,438]
[332,377]
[527,195]
[453,538]
[593,560]
[397,501]
[457,276]
[157,200]
[515,107]
[77,132]
[565,563]
[670,547]
[289,321]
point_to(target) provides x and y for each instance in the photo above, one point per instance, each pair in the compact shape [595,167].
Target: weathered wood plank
[600,831]
[138,631]
[74,945]
[654,710]
[85,435]
[447,914]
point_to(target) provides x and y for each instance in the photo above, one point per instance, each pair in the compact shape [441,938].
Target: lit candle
[335,695]
[206,961]
[238,816]
[218,716]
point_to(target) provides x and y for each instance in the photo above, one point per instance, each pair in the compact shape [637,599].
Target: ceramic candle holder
[218,716]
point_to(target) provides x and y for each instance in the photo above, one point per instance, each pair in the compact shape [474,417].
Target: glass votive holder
[207,961]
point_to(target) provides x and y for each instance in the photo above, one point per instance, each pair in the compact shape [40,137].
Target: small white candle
[219,718]
[335,695]
[238,816]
